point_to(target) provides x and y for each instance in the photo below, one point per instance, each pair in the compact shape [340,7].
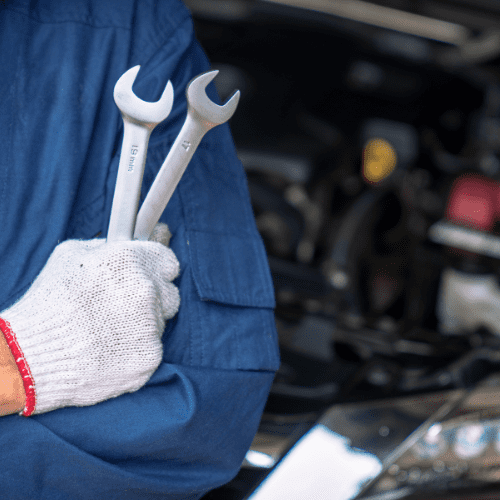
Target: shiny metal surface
[458,450]
[352,445]
[139,120]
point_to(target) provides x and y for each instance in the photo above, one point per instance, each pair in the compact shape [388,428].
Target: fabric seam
[67,21]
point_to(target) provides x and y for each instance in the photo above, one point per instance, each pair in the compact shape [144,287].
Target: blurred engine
[373,164]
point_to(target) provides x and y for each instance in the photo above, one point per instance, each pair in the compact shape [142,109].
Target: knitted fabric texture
[90,325]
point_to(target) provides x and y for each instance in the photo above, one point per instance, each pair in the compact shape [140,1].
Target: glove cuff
[60,368]
[22,366]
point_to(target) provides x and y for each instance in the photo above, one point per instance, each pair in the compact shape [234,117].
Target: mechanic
[115,413]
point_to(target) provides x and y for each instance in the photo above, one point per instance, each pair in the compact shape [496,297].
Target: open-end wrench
[139,120]
[203,115]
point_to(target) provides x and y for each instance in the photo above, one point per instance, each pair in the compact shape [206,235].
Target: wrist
[12,388]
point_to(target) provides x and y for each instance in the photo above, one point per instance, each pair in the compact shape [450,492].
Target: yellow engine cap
[379,160]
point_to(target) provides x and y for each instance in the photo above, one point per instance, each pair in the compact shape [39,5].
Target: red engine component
[474,202]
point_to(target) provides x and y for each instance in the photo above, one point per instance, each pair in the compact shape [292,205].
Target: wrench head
[148,113]
[198,101]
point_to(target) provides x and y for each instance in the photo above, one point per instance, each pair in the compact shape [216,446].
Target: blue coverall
[188,429]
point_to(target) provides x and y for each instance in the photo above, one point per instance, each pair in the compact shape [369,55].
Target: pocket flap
[231,269]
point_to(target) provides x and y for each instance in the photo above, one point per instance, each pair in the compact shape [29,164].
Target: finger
[170,299]
[161,234]
[162,262]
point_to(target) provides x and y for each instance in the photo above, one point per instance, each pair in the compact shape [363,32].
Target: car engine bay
[371,142]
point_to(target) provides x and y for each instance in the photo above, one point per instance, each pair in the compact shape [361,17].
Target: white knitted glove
[89,328]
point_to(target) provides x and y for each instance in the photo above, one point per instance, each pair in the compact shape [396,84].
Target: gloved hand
[90,326]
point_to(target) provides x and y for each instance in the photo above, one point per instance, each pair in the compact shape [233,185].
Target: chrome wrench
[203,115]
[139,120]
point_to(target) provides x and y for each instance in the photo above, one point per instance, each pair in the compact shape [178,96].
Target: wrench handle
[169,176]
[128,181]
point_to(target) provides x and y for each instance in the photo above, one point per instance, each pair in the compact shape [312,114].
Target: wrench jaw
[137,110]
[203,115]
[200,104]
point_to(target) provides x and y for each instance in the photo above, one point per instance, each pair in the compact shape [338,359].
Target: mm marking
[134,150]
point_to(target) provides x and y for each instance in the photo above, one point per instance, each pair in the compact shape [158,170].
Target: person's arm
[12,395]
[89,327]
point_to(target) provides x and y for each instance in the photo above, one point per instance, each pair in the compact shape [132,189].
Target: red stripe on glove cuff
[22,366]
